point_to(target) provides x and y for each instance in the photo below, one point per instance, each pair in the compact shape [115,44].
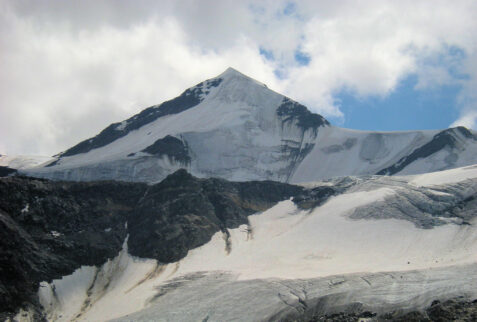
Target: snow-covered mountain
[348,243]
[236,128]
[375,245]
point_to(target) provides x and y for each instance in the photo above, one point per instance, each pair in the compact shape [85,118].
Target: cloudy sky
[70,68]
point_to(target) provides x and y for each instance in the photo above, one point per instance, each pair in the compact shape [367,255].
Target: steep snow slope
[340,152]
[385,244]
[235,128]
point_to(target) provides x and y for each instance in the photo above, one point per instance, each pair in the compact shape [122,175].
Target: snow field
[282,243]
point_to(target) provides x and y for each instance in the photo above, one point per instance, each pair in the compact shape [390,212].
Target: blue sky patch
[268,54]
[290,8]
[302,58]
[404,109]
[280,73]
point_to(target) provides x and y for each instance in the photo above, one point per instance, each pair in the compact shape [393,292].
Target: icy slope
[384,244]
[236,128]
[339,152]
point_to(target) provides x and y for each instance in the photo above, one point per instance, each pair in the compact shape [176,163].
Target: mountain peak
[231,71]
[233,127]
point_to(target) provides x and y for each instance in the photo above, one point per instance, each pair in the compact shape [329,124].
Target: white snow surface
[313,250]
[23,161]
[446,177]
[236,134]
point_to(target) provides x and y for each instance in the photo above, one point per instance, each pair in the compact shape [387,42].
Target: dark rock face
[315,197]
[172,147]
[344,317]
[183,212]
[6,171]
[291,111]
[451,310]
[188,99]
[16,263]
[441,140]
[294,151]
[48,229]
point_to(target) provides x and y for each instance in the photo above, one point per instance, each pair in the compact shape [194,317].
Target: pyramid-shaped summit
[236,128]
[230,86]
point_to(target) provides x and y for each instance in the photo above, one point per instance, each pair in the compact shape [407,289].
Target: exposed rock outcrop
[48,229]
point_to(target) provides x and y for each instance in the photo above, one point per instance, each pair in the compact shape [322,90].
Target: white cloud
[68,69]
[368,47]
[468,119]
[468,96]
[60,88]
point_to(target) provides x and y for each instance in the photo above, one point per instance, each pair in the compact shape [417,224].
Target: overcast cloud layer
[70,68]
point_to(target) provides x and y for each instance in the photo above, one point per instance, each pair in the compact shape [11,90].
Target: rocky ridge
[458,309]
[49,229]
